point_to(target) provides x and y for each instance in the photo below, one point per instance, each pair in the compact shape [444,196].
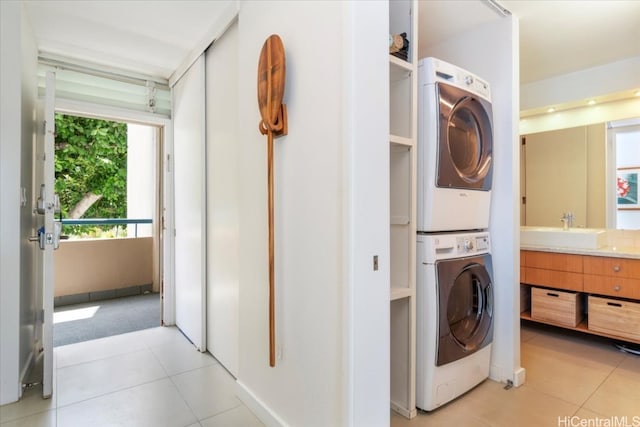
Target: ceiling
[148,37]
[556,37]
[154,37]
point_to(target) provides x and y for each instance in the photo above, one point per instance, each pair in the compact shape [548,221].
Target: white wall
[223,260]
[319,265]
[366,323]
[611,111]
[141,177]
[491,52]
[17,287]
[605,79]
[304,388]
[190,203]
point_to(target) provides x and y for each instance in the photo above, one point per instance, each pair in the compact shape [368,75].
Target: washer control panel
[472,244]
[433,247]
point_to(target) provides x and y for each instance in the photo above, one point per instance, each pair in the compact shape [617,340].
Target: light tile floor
[153,378]
[572,379]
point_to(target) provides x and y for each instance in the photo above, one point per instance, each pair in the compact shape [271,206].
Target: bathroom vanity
[592,290]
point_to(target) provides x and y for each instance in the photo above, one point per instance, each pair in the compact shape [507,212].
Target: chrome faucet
[567,220]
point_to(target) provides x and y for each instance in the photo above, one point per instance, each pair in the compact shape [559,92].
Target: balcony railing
[107,221]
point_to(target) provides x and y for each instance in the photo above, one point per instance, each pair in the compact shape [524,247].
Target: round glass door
[469,151]
[469,308]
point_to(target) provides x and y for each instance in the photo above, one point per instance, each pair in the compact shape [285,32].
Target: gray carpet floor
[105,318]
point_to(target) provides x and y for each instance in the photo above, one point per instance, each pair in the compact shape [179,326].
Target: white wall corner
[268,417]
[218,28]
[366,129]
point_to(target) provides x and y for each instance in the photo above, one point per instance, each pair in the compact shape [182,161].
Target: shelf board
[400,65]
[401,141]
[400,220]
[581,327]
[399,293]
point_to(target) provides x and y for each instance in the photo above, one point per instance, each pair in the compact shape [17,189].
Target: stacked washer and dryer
[454,269]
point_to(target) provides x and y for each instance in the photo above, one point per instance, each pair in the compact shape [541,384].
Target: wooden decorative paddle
[271,79]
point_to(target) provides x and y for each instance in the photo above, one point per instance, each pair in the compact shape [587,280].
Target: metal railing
[107,221]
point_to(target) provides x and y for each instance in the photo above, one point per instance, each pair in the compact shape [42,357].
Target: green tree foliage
[91,157]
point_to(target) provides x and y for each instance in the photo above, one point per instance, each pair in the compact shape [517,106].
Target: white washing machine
[454,315]
[455,146]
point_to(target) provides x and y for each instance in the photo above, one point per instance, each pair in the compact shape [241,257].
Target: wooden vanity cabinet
[555,270]
[590,278]
[616,277]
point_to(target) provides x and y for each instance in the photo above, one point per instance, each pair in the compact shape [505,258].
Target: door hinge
[524,200]
[523,140]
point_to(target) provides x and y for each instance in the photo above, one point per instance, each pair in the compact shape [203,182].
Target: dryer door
[466,308]
[465,137]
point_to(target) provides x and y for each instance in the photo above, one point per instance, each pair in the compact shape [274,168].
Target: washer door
[465,140]
[466,308]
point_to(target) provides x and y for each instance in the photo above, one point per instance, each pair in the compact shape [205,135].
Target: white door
[45,180]
[223,261]
[189,200]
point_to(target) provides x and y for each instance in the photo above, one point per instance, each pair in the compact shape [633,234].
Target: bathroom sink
[556,237]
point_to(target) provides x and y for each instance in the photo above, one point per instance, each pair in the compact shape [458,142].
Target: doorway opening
[108,272]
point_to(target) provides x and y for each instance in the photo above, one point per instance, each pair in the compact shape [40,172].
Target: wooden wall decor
[271,82]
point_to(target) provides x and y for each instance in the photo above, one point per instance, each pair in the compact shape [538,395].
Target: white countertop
[607,251]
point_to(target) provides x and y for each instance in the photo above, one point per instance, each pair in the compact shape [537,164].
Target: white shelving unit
[403,162]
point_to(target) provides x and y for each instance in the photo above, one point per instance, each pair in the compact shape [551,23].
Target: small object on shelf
[399,45]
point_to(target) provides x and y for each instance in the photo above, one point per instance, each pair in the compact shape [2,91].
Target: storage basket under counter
[615,317]
[555,306]
[593,294]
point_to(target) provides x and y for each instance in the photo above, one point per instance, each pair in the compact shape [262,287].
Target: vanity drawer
[553,261]
[612,286]
[550,305]
[614,317]
[553,278]
[617,267]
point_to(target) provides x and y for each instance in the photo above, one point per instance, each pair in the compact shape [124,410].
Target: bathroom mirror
[577,170]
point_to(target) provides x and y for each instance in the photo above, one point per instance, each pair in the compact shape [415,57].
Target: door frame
[165,180]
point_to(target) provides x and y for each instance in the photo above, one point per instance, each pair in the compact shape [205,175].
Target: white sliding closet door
[222,199]
[190,203]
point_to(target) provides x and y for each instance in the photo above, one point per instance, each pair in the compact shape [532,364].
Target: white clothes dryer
[454,316]
[455,148]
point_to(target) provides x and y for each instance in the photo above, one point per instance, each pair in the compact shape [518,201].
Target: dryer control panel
[434,70]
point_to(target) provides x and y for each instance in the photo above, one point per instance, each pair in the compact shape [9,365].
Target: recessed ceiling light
[591,102]
[637,93]
[551,110]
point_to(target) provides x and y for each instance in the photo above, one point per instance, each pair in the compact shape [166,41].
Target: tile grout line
[601,384]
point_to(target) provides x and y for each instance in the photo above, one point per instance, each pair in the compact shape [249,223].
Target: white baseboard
[519,377]
[266,415]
